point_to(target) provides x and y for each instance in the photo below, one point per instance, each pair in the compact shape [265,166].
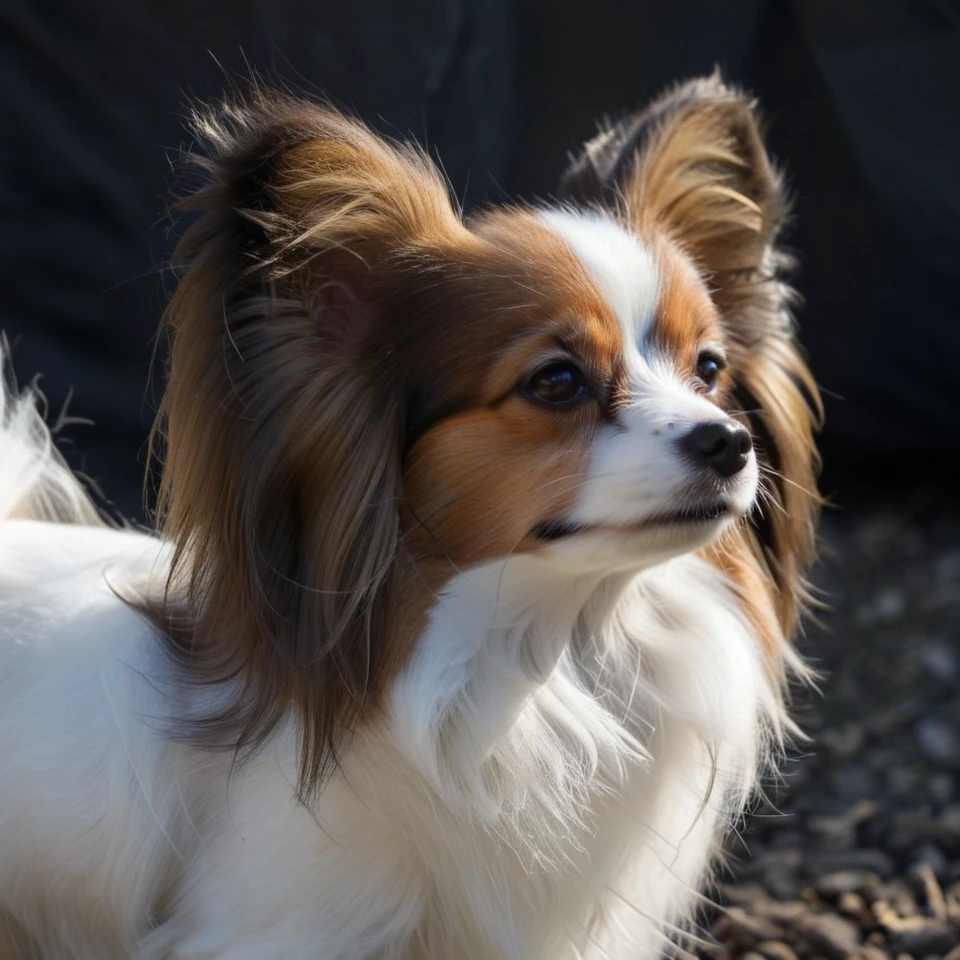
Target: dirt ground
[857,852]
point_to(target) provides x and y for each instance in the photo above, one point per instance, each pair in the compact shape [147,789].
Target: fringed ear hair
[693,167]
[282,428]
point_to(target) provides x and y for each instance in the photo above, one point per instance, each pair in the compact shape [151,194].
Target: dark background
[863,99]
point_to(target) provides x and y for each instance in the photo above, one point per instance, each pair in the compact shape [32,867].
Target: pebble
[941,787]
[882,758]
[741,894]
[855,907]
[940,659]
[905,831]
[784,859]
[836,937]
[781,883]
[948,566]
[788,838]
[845,881]
[938,741]
[883,607]
[887,720]
[874,861]
[840,832]
[854,780]
[834,833]
[929,855]
[754,927]
[782,912]
[845,741]
[930,938]
[905,783]
[775,950]
[948,826]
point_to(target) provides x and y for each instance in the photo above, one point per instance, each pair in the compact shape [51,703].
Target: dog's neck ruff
[574,742]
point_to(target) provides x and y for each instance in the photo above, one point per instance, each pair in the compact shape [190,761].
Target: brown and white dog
[465,634]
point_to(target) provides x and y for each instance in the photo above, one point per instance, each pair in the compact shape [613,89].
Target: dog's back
[81,807]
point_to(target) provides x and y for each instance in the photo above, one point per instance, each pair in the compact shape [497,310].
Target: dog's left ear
[693,167]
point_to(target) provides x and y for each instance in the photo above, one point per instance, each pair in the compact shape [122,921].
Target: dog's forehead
[619,263]
[534,278]
[659,298]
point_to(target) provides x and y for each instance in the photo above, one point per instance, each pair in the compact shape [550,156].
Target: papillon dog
[465,631]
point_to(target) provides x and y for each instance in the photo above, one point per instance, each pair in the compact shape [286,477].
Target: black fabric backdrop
[863,98]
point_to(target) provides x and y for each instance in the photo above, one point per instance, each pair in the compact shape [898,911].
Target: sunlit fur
[419,666]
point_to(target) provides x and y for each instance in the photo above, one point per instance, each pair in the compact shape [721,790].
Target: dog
[465,630]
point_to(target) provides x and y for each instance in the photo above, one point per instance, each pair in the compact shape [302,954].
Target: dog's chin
[658,536]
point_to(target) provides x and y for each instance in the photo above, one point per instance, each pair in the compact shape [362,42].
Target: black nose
[722,446]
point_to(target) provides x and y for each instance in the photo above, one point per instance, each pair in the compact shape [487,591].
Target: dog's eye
[560,383]
[709,366]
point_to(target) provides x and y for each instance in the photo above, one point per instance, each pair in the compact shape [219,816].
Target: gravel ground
[857,853]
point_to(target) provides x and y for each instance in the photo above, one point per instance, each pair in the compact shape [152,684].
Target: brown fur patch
[483,477]
[735,556]
[687,319]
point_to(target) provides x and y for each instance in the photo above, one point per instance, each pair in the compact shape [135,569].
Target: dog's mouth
[696,515]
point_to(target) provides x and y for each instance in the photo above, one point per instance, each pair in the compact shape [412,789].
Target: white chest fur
[552,783]
[555,770]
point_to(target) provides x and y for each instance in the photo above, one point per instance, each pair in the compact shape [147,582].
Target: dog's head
[368,393]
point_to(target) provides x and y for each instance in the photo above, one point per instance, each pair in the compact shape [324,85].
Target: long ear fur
[693,166]
[283,435]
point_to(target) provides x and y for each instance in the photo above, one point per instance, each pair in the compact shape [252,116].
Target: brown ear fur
[281,477]
[693,166]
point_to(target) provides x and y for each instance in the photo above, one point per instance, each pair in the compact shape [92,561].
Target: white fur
[571,737]
[619,263]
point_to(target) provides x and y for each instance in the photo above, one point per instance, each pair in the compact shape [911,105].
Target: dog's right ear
[596,175]
[281,477]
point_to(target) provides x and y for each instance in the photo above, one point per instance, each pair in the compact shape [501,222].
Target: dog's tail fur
[35,481]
